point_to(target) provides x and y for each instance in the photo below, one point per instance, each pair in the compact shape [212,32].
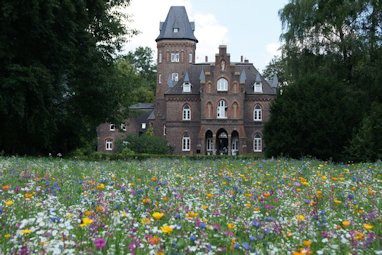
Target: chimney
[206,59]
[241,59]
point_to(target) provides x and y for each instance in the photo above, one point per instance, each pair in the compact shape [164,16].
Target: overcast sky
[249,28]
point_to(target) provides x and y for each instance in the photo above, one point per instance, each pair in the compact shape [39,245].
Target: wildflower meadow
[181,206]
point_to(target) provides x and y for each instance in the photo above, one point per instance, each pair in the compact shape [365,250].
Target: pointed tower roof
[275,81]
[177,26]
[258,78]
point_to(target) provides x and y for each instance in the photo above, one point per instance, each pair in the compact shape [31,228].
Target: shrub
[147,144]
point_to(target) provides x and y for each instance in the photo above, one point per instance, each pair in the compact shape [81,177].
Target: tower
[176,45]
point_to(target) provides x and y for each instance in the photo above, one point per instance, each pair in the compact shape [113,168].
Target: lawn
[163,206]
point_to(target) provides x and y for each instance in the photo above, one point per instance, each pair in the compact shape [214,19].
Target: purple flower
[256,224]
[246,246]
[24,250]
[351,196]
[100,243]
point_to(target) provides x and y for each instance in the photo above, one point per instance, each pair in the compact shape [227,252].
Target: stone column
[214,144]
[229,145]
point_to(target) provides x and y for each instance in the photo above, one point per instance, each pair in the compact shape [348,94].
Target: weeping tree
[331,54]
[56,60]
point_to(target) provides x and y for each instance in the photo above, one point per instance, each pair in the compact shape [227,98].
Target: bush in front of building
[145,144]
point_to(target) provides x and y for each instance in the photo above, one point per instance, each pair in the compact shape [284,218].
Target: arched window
[209,110]
[235,108]
[186,142]
[222,110]
[186,112]
[222,85]
[257,144]
[109,144]
[257,113]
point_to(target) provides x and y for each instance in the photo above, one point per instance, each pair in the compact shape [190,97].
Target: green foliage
[55,69]
[331,61]
[147,144]
[366,144]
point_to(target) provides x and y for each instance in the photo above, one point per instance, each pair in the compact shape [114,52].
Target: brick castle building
[217,107]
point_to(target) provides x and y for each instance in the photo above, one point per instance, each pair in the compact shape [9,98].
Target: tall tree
[55,60]
[331,56]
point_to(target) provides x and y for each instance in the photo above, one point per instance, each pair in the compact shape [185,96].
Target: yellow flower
[248,204]
[346,223]
[300,217]
[101,186]
[359,236]
[166,229]
[209,195]
[192,214]
[100,208]
[8,203]
[231,225]
[26,231]
[7,236]
[165,199]
[154,179]
[157,215]
[368,226]
[145,221]
[86,222]
[337,201]
[146,200]
[324,178]
[28,195]
[204,207]
[307,243]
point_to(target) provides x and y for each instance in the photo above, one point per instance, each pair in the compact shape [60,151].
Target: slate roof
[248,75]
[177,18]
[142,106]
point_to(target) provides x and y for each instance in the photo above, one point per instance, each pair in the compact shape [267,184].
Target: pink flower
[100,243]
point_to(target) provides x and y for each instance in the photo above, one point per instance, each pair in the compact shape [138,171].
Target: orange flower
[88,213]
[154,179]
[266,194]
[165,199]
[146,200]
[346,223]
[154,240]
[6,187]
[307,243]
[359,236]
[28,195]
[100,208]
[209,195]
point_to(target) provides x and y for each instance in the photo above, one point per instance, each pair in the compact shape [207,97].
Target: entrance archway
[222,142]
[209,143]
[235,143]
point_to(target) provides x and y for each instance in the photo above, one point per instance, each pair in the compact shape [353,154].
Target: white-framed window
[143,125]
[258,87]
[257,144]
[175,57]
[189,57]
[257,113]
[176,30]
[112,127]
[186,87]
[164,130]
[222,85]
[123,126]
[186,142]
[186,112]
[109,144]
[160,57]
[174,76]
[160,78]
[222,110]
[210,144]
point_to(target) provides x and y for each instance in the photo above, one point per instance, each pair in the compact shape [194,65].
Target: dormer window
[222,85]
[176,30]
[258,87]
[186,87]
